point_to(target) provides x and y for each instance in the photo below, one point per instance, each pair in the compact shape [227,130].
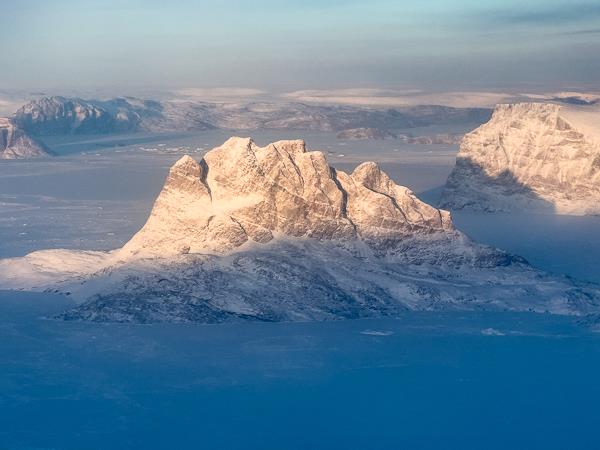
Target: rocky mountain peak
[370,175]
[241,193]
[185,177]
[186,165]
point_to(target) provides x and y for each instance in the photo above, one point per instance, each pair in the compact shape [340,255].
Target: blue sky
[282,45]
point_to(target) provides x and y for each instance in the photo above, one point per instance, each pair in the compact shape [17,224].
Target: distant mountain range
[63,116]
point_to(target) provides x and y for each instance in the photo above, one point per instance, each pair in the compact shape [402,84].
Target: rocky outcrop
[15,143]
[241,193]
[530,156]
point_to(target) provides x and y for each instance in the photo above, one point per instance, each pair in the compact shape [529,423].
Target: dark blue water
[423,381]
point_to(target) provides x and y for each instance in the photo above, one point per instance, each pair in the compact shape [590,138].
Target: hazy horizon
[287,46]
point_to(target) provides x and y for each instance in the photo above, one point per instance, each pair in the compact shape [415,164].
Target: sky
[309,44]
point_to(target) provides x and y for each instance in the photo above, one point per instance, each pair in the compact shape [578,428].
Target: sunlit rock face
[241,193]
[530,156]
[17,144]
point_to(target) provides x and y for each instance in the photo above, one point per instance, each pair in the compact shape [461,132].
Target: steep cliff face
[15,143]
[241,193]
[530,156]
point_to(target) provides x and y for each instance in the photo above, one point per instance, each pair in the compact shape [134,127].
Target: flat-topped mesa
[240,193]
[530,156]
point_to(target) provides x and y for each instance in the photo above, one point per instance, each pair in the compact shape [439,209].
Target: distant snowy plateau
[275,233]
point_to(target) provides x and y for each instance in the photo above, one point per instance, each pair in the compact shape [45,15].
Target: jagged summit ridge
[240,192]
[530,156]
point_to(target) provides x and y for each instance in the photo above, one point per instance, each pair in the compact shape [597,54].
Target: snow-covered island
[275,233]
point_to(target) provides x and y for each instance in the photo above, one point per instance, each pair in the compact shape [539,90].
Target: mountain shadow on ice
[470,187]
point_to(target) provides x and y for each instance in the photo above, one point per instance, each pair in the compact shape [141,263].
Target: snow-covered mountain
[242,193]
[530,156]
[15,143]
[275,233]
[60,115]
